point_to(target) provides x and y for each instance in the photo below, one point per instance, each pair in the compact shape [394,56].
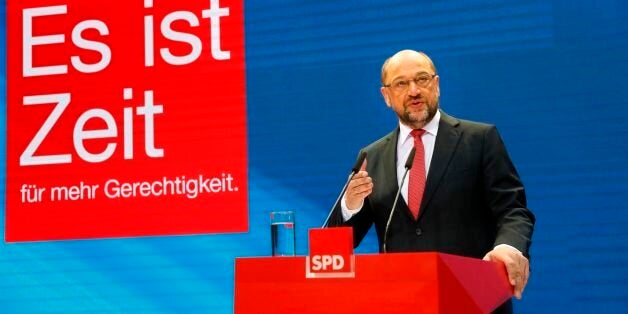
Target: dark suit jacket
[473,199]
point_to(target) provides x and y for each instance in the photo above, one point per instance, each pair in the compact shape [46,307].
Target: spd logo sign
[331,253]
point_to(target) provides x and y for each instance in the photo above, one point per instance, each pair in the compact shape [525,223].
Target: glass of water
[282,233]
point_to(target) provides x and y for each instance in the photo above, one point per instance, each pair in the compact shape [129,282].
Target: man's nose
[414,89]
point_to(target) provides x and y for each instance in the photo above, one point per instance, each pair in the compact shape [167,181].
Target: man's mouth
[416,103]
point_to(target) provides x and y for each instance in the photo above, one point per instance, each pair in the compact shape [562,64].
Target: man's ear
[384,92]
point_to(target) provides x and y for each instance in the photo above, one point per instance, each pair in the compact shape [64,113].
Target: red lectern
[380,283]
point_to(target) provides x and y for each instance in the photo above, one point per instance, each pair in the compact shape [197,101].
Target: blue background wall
[550,74]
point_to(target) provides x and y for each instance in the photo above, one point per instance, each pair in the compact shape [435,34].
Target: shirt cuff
[504,244]
[346,212]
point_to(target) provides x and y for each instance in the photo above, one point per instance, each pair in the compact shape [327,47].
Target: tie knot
[416,133]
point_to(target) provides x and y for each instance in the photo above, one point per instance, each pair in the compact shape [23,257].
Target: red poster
[125,119]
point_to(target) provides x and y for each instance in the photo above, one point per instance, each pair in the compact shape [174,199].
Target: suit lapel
[446,143]
[390,162]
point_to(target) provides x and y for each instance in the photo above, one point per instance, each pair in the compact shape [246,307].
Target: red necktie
[416,186]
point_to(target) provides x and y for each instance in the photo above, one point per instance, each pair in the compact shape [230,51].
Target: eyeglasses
[421,80]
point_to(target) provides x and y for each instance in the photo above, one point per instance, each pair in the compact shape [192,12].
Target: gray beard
[419,120]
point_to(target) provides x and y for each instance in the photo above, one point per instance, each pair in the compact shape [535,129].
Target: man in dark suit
[463,195]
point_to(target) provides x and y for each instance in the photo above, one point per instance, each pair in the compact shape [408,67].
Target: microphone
[408,166]
[354,170]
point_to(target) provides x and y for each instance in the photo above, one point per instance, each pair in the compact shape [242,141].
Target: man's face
[411,89]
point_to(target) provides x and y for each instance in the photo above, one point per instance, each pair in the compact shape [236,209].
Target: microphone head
[410,159]
[358,162]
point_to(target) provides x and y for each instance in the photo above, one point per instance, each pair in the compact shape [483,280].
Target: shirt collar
[431,127]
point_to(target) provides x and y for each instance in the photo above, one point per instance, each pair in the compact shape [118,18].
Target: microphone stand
[408,166]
